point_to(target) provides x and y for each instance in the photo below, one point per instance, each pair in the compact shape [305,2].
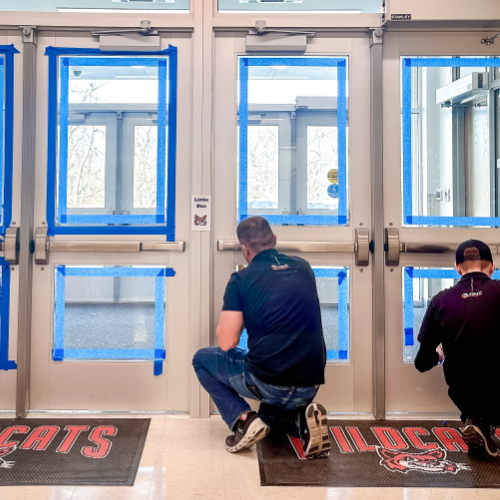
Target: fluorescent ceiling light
[286,12]
[124,11]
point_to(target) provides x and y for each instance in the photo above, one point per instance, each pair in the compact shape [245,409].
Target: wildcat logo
[200,221]
[4,464]
[433,462]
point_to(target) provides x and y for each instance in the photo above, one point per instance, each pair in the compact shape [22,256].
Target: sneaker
[247,433]
[477,436]
[316,441]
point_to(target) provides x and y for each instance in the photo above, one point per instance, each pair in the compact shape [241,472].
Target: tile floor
[184,459]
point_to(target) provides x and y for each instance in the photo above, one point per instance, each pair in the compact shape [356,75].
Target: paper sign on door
[200,213]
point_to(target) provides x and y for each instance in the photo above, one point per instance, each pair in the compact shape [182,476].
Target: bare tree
[145,166]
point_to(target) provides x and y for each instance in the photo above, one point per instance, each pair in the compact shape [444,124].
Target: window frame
[245,110]
[165,217]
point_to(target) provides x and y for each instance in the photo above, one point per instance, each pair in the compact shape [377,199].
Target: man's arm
[429,338]
[229,329]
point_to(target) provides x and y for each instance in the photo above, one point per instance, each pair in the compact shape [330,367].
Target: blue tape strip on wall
[113,224]
[5,363]
[432,62]
[317,220]
[7,96]
[157,354]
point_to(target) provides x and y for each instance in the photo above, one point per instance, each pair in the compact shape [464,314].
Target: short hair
[472,259]
[255,233]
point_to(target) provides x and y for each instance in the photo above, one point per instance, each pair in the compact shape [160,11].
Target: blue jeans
[222,374]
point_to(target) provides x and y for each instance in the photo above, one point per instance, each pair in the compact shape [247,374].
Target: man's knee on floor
[200,357]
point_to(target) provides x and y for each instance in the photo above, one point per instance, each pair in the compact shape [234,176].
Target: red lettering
[358,440]
[342,442]
[497,432]
[390,438]
[7,433]
[70,438]
[297,446]
[450,438]
[40,438]
[412,433]
[103,444]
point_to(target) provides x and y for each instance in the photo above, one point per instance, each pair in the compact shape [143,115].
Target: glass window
[101,6]
[2,129]
[302,6]
[293,140]
[450,117]
[112,124]
[111,313]
[333,292]
[419,286]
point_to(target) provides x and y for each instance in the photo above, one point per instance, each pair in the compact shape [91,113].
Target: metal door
[10,76]
[265,130]
[440,188]
[109,280]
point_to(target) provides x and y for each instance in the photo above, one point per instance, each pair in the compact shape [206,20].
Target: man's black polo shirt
[466,320]
[278,297]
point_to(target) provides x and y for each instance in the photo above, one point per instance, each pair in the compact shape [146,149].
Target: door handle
[393,247]
[10,246]
[361,247]
[44,245]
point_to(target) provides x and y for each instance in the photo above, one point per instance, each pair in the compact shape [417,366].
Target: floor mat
[84,451]
[380,453]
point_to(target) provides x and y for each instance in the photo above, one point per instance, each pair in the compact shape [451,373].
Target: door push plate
[392,247]
[362,247]
[11,248]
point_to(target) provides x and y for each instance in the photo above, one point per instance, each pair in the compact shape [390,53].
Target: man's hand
[229,329]
[439,350]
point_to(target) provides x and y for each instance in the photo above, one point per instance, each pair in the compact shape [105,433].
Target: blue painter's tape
[5,363]
[162,141]
[164,219]
[159,325]
[409,336]
[116,272]
[111,219]
[115,354]
[315,220]
[328,272]
[309,220]
[343,354]
[7,129]
[157,354]
[295,61]
[118,61]
[426,220]
[60,310]
[453,62]
[343,316]
[57,354]
[432,62]
[408,317]
[57,51]
[407,147]
[62,203]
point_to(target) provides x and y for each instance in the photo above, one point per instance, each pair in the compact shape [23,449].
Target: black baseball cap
[483,248]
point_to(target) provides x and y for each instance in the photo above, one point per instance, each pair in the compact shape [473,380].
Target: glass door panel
[443,107]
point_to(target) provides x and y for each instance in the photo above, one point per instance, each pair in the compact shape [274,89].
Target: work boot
[247,433]
[477,436]
[314,432]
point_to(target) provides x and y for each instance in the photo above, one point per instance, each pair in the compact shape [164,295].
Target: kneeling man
[276,300]
[465,321]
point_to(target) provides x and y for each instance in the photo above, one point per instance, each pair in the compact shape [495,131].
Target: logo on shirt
[471,294]
[280,268]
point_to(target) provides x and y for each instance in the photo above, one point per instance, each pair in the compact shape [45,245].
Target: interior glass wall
[302,6]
